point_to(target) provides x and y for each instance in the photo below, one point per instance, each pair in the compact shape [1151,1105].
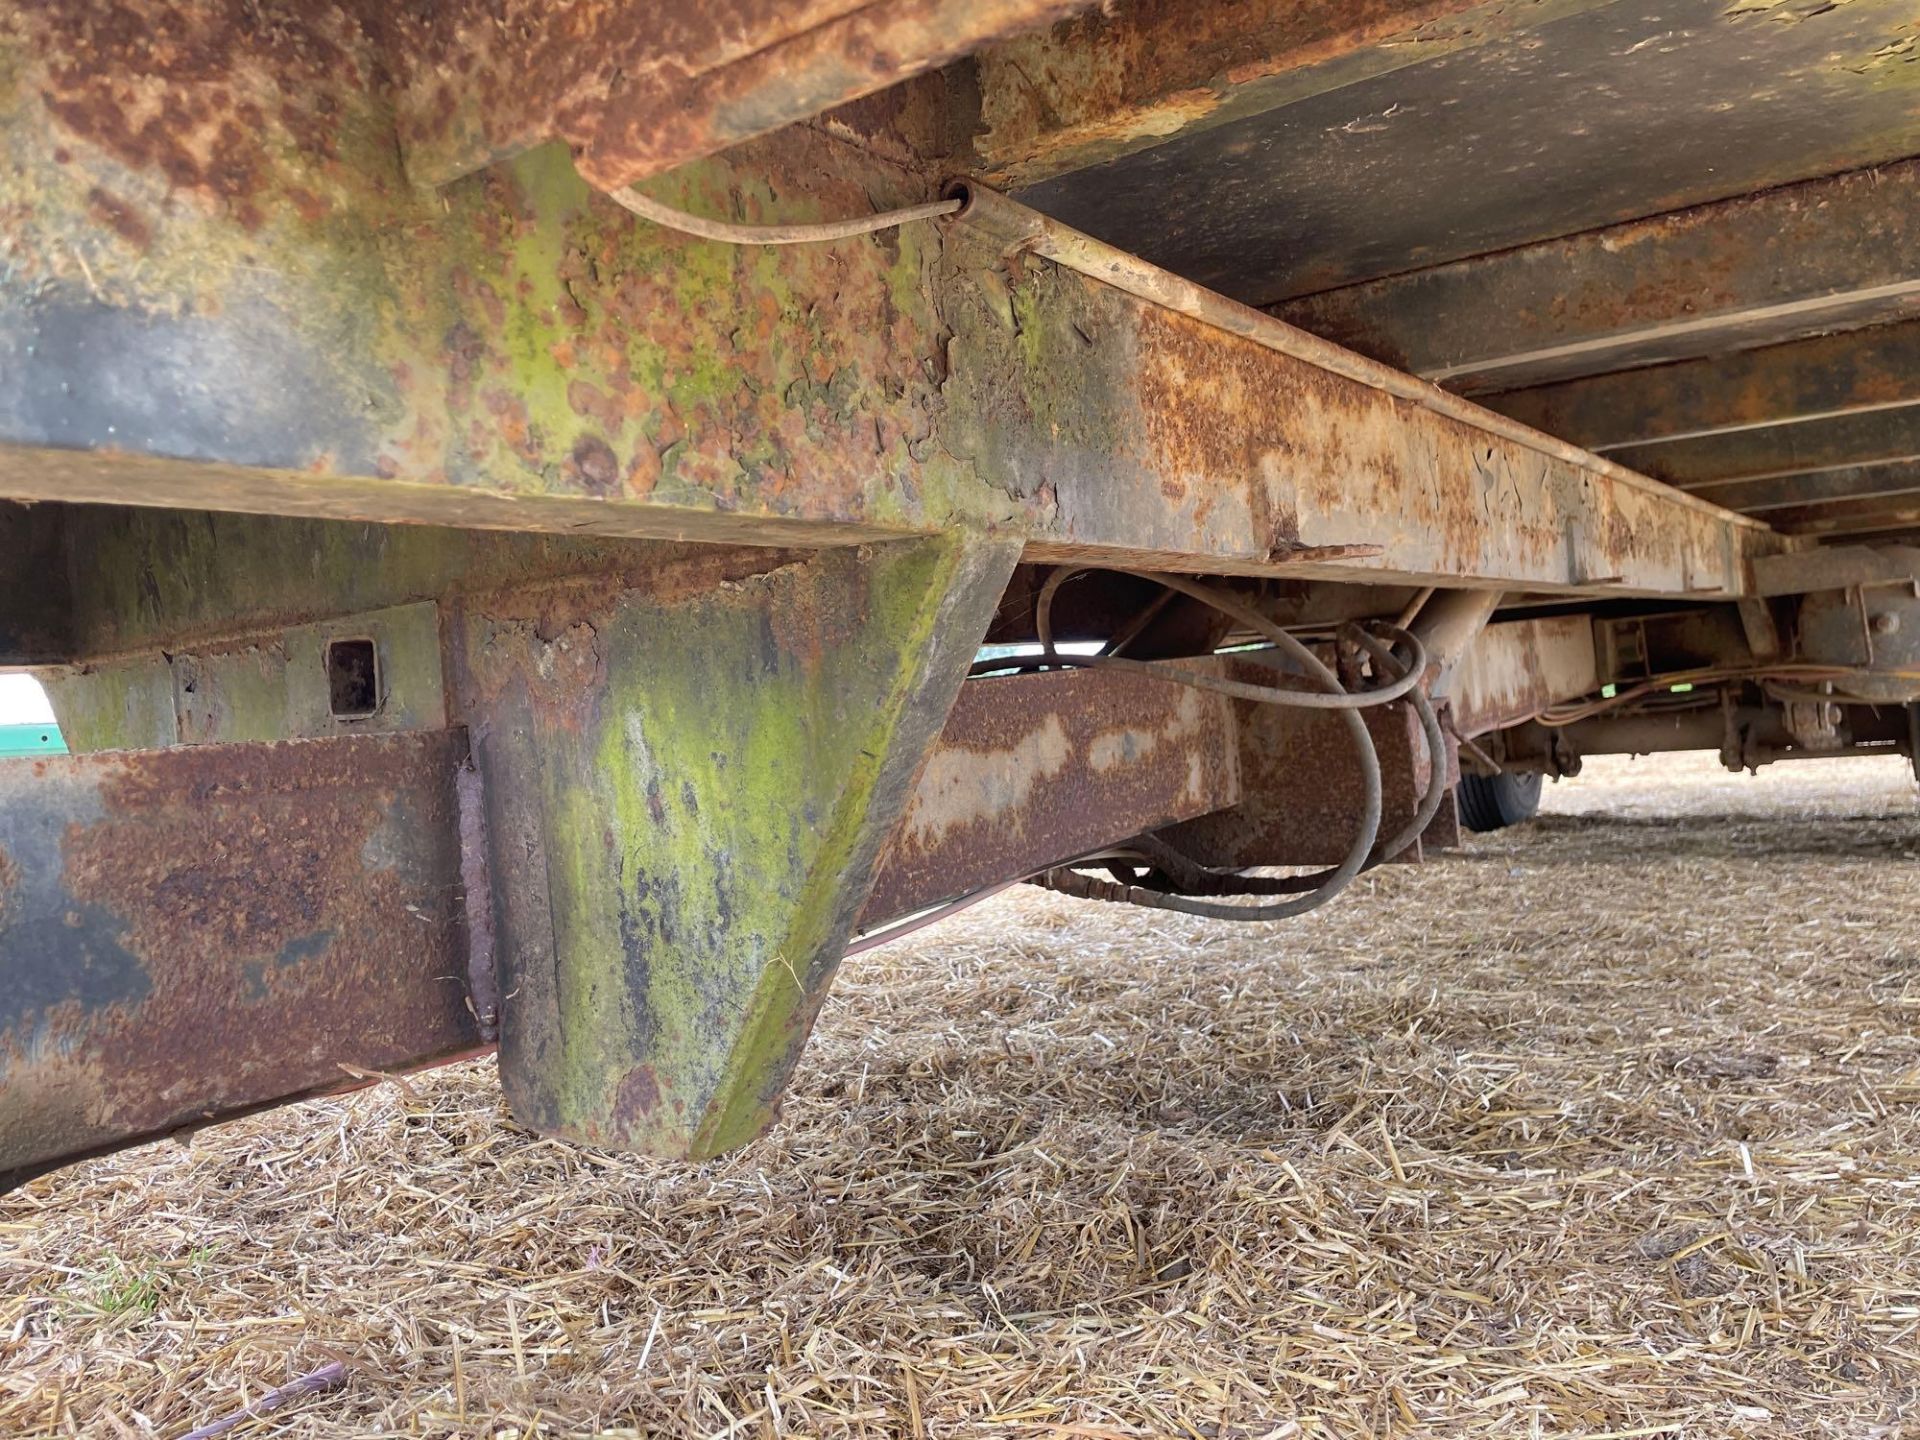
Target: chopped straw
[1605,1128]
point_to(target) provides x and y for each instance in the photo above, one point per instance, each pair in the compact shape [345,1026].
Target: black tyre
[1493,802]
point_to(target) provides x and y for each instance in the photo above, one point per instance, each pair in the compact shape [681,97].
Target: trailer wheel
[1493,802]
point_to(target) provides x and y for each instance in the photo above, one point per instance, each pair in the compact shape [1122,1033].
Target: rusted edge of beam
[1833,442]
[1835,567]
[1803,489]
[1871,516]
[1850,373]
[1127,78]
[1300,784]
[1825,255]
[638,89]
[1020,230]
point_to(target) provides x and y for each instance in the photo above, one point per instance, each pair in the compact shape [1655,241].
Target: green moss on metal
[1049,353]
[590,350]
[712,818]
[900,641]
[238,694]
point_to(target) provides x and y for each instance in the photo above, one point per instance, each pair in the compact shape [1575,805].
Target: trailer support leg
[686,796]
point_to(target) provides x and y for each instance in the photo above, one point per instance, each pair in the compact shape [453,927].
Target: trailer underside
[485,617]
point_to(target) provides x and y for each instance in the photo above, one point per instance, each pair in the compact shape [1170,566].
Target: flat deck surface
[1610,1127]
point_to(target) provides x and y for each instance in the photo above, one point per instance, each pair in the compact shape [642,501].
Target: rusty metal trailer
[546,524]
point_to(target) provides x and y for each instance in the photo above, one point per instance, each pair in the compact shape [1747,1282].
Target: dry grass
[1607,1128]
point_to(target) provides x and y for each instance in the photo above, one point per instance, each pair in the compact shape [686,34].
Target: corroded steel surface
[1827,442]
[223,285]
[1347,392]
[274,298]
[308,333]
[190,933]
[1125,77]
[205,95]
[1629,648]
[204,930]
[1811,492]
[1605,114]
[637,89]
[1839,567]
[1186,438]
[1877,629]
[1826,255]
[1893,516]
[1034,770]
[1859,370]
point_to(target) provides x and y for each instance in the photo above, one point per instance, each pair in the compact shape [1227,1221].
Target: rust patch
[1123,77]
[963,785]
[1300,783]
[560,665]
[1324,465]
[171,87]
[596,469]
[225,927]
[590,402]
[1035,769]
[120,217]
[809,631]
[638,1095]
[1516,669]
[545,637]
[1131,744]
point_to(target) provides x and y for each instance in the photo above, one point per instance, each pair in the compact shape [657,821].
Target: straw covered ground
[1610,1127]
